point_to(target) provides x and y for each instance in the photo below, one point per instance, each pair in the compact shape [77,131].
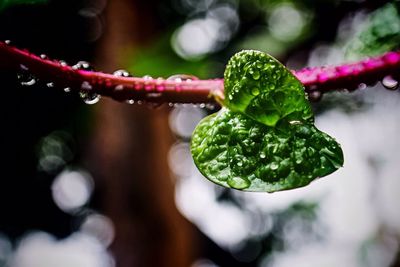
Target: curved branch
[180,90]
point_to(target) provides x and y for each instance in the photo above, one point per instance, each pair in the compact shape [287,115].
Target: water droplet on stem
[89,98]
[82,65]
[122,73]
[389,83]
[86,86]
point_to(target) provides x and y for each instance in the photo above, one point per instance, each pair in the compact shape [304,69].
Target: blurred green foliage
[6,3]
[160,60]
[380,33]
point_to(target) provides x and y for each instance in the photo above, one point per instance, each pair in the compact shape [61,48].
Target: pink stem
[323,79]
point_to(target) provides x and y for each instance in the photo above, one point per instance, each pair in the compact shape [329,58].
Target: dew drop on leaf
[256,75]
[274,165]
[238,183]
[255,91]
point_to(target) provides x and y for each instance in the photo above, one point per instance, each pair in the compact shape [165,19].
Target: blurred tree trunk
[128,157]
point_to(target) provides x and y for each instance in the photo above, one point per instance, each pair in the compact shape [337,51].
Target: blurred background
[113,184]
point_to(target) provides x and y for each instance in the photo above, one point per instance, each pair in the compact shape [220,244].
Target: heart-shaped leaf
[259,86]
[265,139]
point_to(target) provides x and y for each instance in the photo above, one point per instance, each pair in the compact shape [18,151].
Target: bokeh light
[71,189]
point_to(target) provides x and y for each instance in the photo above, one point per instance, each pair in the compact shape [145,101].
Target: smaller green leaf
[259,86]
[236,151]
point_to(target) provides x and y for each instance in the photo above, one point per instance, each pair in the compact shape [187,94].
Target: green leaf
[263,140]
[259,86]
[235,151]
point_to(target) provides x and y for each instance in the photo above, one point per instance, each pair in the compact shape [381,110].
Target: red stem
[323,79]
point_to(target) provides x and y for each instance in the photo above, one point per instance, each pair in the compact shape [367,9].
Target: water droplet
[294,122]
[362,86]
[43,56]
[86,86]
[315,96]
[179,78]
[240,164]
[182,77]
[256,75]
[67,89]
[25,78]
[8,42]
[119,87]
[23,67]
[30,82]
[274,166]
[153,95]
[82,65]
[262,155]
[89,98]
[130,101]
[238,182]
[140,102]
[122,73]
[171,104]
[389,83]
[50,85]
[63,63]
[299,160]
[210,106]
[255,91]
[202,105]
